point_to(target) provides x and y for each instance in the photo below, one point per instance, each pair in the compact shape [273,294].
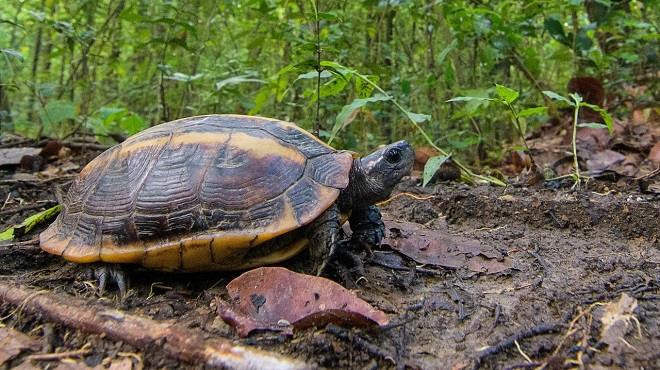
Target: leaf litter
[440,248]
[277,299]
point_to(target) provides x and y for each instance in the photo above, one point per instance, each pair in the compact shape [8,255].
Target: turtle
[223,192]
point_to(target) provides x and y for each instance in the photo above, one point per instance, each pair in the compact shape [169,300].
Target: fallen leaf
[13,342]
[654,155]
[274,298]
[591,139]
[617,319]
[490,265]
[604,160]
[29,223]
[440,248]
[58,170]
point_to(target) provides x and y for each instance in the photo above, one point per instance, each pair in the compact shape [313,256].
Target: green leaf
[468,98]
[592,125]
[443,54]
[260,100]
[13,53]
[432,166]
[530,111]
[337,68]
[133,124]
[417,117]
[330,88]
[237,80]
[56,111]
[182,77]
[348,110]
[40,16]
[106,112]
[582,41]
[554,95]
[313,75]
[577,98]
[603,113]
[556,30]
[365,87]
[29,223]
[508,95]
[306,65]
[328,16]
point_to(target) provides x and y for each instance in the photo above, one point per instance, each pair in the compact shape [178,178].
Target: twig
[524,366]
[495,321]
[85,145]
[409,195]
[28,245]
[539,259]
[359,342]
[175,340]
[59,355]
[27,207]
[537,330]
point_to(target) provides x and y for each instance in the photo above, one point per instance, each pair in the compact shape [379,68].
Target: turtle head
[373,177]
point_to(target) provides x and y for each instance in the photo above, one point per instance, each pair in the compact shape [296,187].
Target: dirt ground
[570,257]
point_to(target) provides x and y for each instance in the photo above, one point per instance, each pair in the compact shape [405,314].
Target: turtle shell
[198,194]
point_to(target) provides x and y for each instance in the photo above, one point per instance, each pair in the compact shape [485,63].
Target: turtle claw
[103,273]
[368,227]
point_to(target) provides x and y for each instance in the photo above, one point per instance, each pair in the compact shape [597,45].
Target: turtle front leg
[367,226]
[323,235]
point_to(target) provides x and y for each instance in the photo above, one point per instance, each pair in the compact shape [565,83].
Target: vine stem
[575,125]
[466,170]
[317,124]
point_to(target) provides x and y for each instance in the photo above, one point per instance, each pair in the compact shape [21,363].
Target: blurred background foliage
[111,68]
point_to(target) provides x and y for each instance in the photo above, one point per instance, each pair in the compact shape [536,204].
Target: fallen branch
[175,340]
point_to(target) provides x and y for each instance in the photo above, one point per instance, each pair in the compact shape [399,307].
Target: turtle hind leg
[103,273]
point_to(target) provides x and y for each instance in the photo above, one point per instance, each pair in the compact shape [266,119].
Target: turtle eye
[393,155]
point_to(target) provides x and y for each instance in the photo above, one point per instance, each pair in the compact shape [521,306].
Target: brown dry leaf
[486,265]
[592,138]
[440,248]
[422,155]
[58,170]
[14,342]
[604,160]
[271,298]
[654,155]
[617,321]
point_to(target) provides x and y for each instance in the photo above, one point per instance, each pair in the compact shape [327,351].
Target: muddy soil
[571,255]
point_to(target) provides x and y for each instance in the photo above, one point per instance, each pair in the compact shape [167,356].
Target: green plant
[110,124]
[576,102]
[506,96]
